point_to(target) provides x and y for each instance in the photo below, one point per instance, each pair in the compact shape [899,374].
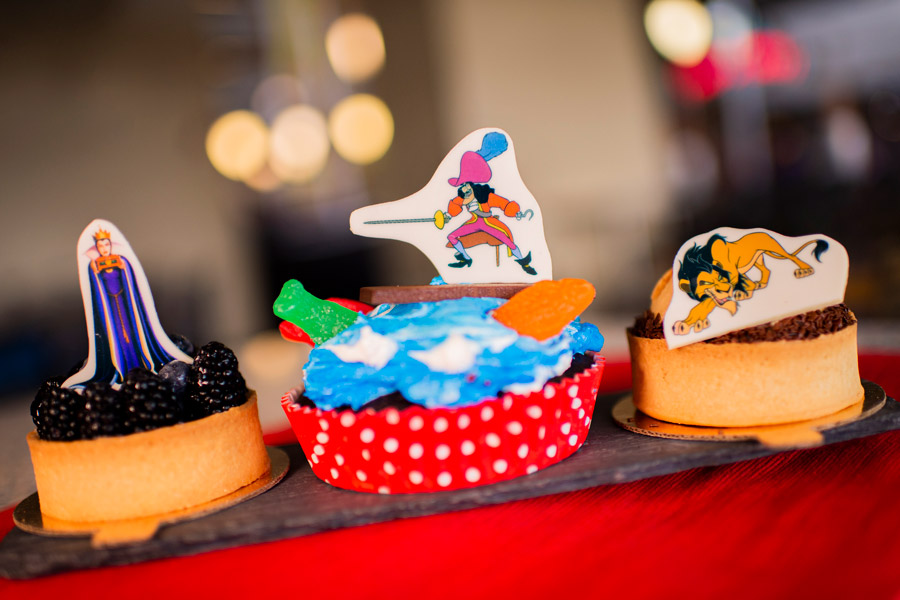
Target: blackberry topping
[149,401]
[104,412]
[184,344]
[58,412]
[214,382]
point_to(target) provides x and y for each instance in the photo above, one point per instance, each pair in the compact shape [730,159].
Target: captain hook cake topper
[729,279]
[123,328]
[475,220]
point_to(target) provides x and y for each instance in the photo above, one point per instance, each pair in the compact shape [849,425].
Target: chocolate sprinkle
[804,326]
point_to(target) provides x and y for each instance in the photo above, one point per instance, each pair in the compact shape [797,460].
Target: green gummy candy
[320,319]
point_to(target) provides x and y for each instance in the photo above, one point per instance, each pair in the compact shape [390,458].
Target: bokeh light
[361,128]
[299,144]
[680,30]
[355,47]
[275,93]
[237,144]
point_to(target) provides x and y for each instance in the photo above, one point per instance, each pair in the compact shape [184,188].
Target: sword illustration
[439,219]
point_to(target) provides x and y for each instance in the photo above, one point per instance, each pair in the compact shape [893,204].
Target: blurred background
[230,140]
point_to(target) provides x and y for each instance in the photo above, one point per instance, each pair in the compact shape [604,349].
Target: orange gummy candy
[544,309]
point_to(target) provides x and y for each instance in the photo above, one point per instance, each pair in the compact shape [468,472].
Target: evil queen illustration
[123,328]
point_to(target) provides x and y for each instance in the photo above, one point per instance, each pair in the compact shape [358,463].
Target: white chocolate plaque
[729,279]
[475,220]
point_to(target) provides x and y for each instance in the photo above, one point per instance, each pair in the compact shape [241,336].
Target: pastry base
[28,517]
[746,384]
[790,435]
[151,472]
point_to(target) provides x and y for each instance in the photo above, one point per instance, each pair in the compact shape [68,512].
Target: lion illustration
[715,275]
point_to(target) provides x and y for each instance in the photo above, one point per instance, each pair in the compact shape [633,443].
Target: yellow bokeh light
[680,30]
[361,128]
[355,47]
[237,144]
[299,144]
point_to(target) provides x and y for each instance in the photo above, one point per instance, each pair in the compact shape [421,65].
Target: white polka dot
[323,424]
[587,422]
[309,462]
[392,416]
[549,392]
[581,413]
[416,423]
[542,432]
[314,459]
[416,477]
[367,435]
[383,489]
[514,427]
[576,403]
[334,473]
[347,419]
[551,450]
[391,445]
[317,449]
[339,459]
[500,466]
[366,454]
[573,391]
[472,474]
[389,468]
[573,440]
[442,451]
[416,451]
[463,421]
[322,437]
[492,440]
[534,411]
[361,475]
[522,451]
[467,448]
[444,479]
[441,424]
[531,469]
[507,402]
[566,428]
[487,413]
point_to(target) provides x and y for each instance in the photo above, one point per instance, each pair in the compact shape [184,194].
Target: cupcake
[429,396]
[146,426]
[765,346]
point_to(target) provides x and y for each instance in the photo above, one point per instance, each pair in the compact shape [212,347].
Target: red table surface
[820,522]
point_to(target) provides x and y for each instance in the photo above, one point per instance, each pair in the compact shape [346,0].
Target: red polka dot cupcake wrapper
[421,450]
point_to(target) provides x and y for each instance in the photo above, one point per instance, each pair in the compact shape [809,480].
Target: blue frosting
[387,351]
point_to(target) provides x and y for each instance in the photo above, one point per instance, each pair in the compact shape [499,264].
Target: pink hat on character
[473,168]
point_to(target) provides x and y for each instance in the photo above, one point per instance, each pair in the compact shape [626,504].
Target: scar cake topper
[475,220]
[122,325]
[729,279]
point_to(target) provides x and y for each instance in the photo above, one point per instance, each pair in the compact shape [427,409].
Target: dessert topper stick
[496,231]
[123,328]
[729,279]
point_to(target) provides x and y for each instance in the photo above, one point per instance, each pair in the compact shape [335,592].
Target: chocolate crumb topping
[804,326]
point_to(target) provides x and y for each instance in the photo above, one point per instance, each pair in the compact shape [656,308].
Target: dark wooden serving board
[301,504]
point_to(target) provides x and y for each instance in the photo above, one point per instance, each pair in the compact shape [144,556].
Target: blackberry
[150,402]
[176,374]
[215,384]
[184,344]
[58,412]
[104,412]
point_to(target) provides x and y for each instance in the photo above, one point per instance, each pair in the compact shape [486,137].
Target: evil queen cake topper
[122,325]
[475,220]
[730,279]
